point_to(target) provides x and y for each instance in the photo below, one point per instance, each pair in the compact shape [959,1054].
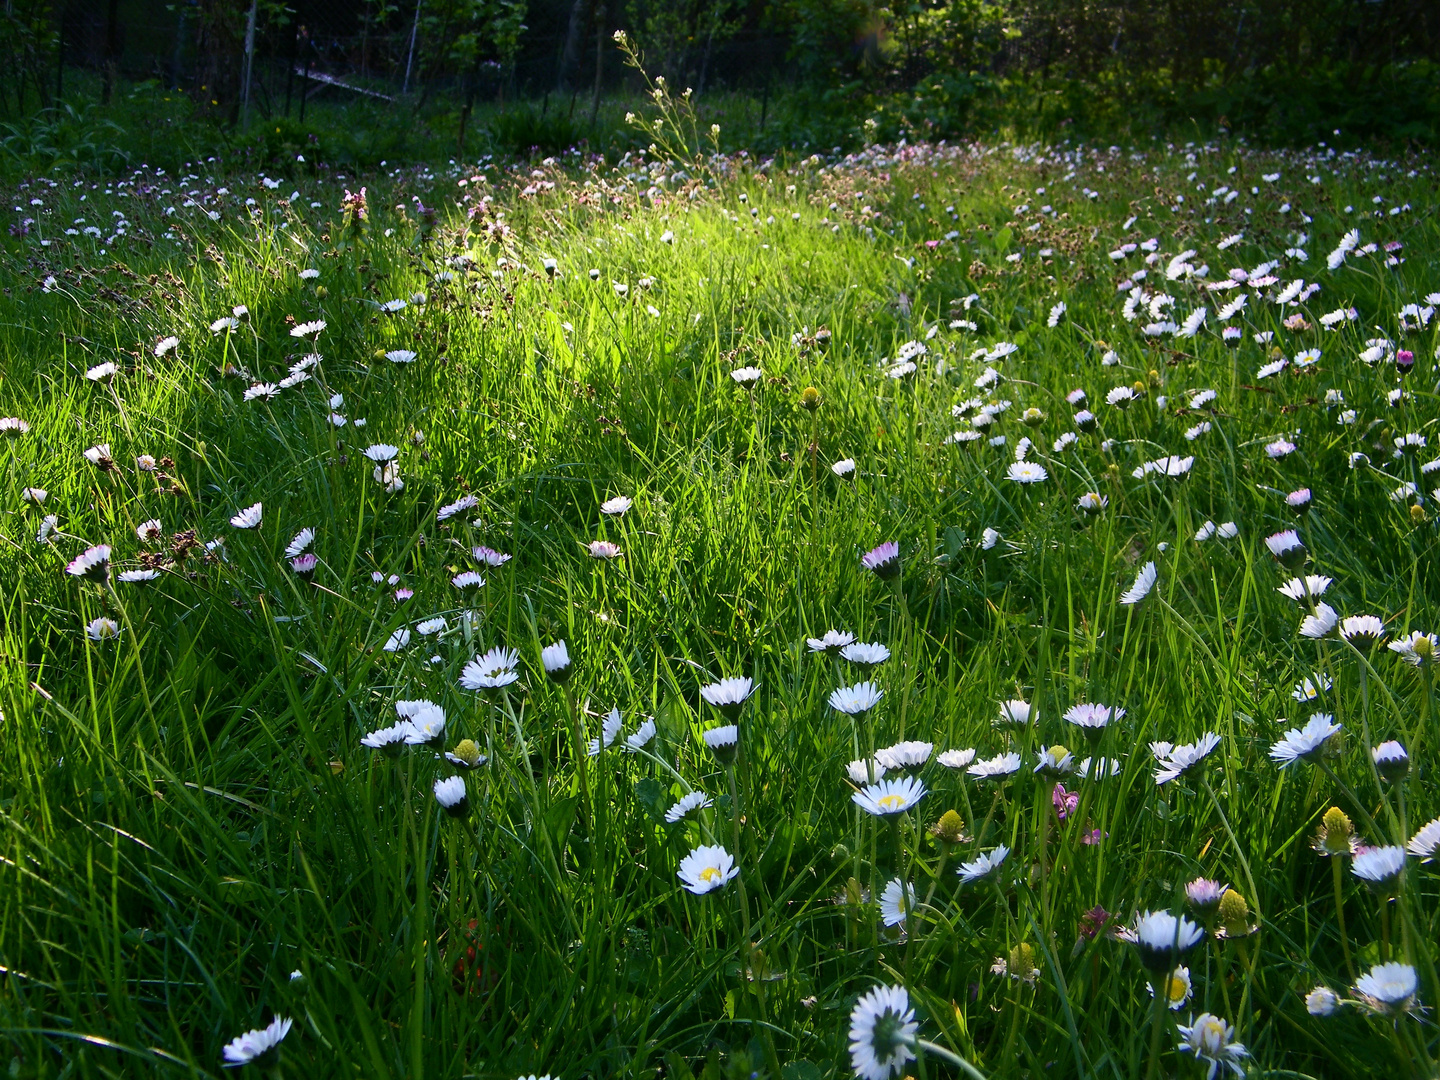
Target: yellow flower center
[709,874]
[891,802]
[1176,989]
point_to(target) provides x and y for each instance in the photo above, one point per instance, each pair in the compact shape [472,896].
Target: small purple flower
[883,560]
[1065,801]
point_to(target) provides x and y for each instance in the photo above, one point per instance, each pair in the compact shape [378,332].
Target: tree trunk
[570,58]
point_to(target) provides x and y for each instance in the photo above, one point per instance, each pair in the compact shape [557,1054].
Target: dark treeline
[1288,69]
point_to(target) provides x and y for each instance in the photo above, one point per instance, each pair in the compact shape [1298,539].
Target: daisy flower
[957,759]
[102,629]
[248,518]
[262,1045]
[1416,648]
[1391,760]
[616,506]
[687,805]
[93,564]
[1162,939]
[1180,760]
[603,549]
[389,740]
[905,755]
[381,452]
[1362,631]
[489,556]
[637,740]
[1014,712]
[1286,547]
[1304,744]
[1322,1001]
[609,732]
[882,1033]
[467,580]
[1379,868]
[1304,590]
[707,868]
[981,868]
[996,768]
[883,561]
[831,643]
[1144,582]
[890,796]
[427,721]
[1091,718]
[843,467]
[450,793]
[856,700]
[728,695]
[307,329]
[1209,1038]
[865,653]
[1177,988]
[1319,624]
[723,741]
[1388,989]
[556,661]
[302,541]
[1026,472]
[862,771]
[896,902]
[1426,843]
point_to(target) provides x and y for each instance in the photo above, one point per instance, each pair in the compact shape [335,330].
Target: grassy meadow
[340,452]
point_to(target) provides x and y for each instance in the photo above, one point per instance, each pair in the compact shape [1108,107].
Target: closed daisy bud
[556,659]
[1204,897]
[450,793]
[810,399]
[1032,417]
[1391,761]
[1322,1001]
[466,755]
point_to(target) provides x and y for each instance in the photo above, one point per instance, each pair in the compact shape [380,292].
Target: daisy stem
[577,740]
[953,1058]
[1157,1020]
[1338,875]
[1385,929]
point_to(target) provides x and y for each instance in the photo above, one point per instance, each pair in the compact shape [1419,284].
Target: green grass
[188,813]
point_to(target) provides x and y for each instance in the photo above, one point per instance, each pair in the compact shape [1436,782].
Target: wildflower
[1092,718]
[1362,631]
[493,671]
[883,561]
[637,740]
[12,427]
[304,565]
[905,755]
[609,731]
[1322,1001]
[1379,868]
[728,695]
[102,629]
[956,759]
[1144,582]
[1210,1039]
[450,793]
[1305,589]
[248,518]
[1055,761]
[1388,989]
[449,510]
[1391,760]
[1026,472]
[556,661]
[831,643]
[165,344]
[1336,835]
[137,577]
[99,456]
[467,580]
[102,372]
[687,804]
[1309,689]
[1180,760]
[723,741]
[1162,939]
[1204,896]
[896,902]
[427,722]
[261,1046]
[1014,712]
[1304,744]
[303,539]
[93,564]
[1287,548]
[1417,648]
[466,755]
[1425,843]
[388,740]
[843,467]
[616,506]
[983,867]
[996,768]
[489,556]
[890,796]
[882,1033]
[1319,624]
[603,549]
[989,538]
[1092,502]
[856,700]
[865,653]
[382,452]
[1177,988]
[307,329]
[707,868]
